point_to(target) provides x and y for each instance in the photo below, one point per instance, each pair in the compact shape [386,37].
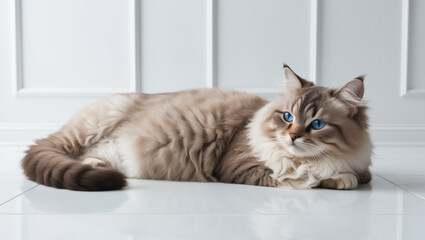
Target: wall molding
[314,8]
[267,93]
[19,90]
[211,43]
[404,75]
[398,135]
[71,92]
[404,46]
[402,134]
[136,82]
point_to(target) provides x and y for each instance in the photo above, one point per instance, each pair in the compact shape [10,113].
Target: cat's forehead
[313,96]
[311,101]
[309,98]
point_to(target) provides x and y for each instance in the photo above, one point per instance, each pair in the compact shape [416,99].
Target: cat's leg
[95,162]
[341,181]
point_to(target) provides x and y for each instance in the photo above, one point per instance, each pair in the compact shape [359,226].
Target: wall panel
[58,56]
[78,46]
[254,38]
[173,45]
[413,83]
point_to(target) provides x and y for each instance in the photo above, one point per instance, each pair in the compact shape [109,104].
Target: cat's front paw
[95,162]
[343,181]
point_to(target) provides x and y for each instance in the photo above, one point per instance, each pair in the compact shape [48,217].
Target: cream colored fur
[294,171]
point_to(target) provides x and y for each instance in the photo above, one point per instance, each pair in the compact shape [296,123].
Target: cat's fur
[211,135]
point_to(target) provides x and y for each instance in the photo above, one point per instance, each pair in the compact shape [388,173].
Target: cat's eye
[288,117]
[318,124]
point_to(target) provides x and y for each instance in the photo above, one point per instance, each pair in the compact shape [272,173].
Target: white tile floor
[391,207]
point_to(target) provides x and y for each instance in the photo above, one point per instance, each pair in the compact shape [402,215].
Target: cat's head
[310,121]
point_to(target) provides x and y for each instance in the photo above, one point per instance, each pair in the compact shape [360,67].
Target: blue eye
[318,124]
[288,117]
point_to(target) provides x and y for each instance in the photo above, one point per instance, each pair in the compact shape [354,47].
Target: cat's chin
[296,150]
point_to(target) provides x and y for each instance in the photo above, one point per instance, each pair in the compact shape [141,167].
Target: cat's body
[178,136]
[203,135]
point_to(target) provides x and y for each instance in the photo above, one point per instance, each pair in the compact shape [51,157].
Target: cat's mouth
[297,149]
[294,148]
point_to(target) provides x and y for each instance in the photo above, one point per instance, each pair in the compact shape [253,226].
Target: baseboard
[397,135]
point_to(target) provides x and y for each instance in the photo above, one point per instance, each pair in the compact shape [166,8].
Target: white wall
[59,55]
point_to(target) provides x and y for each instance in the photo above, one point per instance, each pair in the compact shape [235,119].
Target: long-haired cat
[310,136]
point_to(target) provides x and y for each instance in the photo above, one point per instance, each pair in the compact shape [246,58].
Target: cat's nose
[293,136]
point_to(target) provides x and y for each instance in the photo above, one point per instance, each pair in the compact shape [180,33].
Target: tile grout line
[214,214]
[404,188]
[19,195]
[403,175]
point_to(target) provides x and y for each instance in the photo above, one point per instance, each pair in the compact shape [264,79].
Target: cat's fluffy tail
[49,162]
[55,162]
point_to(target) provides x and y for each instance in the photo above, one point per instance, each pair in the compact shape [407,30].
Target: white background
[58,55]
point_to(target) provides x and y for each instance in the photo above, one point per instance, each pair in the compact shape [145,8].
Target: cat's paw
[343,181]
[95,162]
[365,177]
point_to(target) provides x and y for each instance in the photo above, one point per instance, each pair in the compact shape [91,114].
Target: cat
[309,137]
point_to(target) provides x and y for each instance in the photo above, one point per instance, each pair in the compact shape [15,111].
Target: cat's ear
[293,82]
[352,92]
